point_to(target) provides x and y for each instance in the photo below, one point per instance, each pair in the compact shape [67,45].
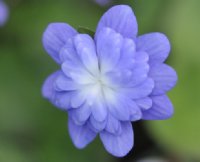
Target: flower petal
[121,19]
[113,125]
[140,91]
[55,37]
[108,48]
[123,108]
[144,103]
[119,145]
[63,83]
[164,76]
[81,114]
[161,109]
[80,135]
[48,90]
[156,45]
[76,72]
[86,50]
[95,125]
[99,109]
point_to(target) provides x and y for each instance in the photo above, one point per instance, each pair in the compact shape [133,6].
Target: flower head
[3,13]
[103,2]
[107,82]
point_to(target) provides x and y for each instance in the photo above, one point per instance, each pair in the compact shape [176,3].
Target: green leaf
[86,30]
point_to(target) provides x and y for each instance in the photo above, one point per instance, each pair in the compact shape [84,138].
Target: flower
[3,13]
[107,82]
[103,2]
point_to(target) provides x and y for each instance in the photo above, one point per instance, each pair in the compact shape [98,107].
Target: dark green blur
[32,130]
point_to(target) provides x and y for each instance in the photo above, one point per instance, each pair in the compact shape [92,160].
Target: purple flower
[3,13]
[103,2]
[107,82]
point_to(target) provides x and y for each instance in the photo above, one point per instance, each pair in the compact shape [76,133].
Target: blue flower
[3,13]
[103,2]
[107,82]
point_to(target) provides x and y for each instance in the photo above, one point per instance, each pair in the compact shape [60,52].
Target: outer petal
[164,77]
[55,37]
[121,19]
[156,45]
[63,83]
[80,135]
[48,90]
[59,99]
[162,109]
[119,145]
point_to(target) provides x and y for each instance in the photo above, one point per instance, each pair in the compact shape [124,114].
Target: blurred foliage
[31,129]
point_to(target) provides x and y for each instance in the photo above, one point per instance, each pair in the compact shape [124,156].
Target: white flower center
[98,88]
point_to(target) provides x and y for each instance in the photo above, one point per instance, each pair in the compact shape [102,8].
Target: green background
[32,130]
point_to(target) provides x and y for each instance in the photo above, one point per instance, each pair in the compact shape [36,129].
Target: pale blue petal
[81,114]
[62,100]
[108,48]
[135,112]
[144,103]
[63,83]
[86,51]
[164,76]
[121,19]
[119,145]
[127,56]
[55,37]
[113,125]
[140,91]
[95,125]
[80,135]
[161,109]
[156,45]
[99,110]
[78,99]
[48,90]
[124,109]
[76,72]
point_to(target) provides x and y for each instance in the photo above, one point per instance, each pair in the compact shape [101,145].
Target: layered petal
[81,114]
[63,83]
[161,109]
[123,108]
[48,90]
[80,135]
[164,77]
[108,48]
[121,19]
[140,91]
[55,37]
[95,125]
[118,145]
[144,103]
[156,45]
[86,51]
[113,125]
